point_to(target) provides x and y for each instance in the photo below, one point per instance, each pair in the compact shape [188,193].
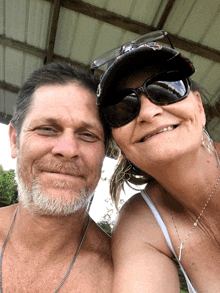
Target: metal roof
[34,32]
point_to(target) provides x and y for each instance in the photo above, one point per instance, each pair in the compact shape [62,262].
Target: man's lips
[164,129]
[63,173]
[61,169]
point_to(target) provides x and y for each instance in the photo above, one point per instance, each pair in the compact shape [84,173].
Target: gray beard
[39,201]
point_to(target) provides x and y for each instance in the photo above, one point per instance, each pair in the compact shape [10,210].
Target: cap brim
[145,59]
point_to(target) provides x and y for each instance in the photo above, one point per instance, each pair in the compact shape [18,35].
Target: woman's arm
[142,260]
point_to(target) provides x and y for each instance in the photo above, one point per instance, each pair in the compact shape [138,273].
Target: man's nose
[67,145]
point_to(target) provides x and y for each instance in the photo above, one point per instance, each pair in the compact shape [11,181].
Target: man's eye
[46,130]
[88,136]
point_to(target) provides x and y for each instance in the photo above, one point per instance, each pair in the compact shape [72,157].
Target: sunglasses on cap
[159,89]
[141,41]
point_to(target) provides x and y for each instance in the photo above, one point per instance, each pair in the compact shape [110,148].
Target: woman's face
[160,133]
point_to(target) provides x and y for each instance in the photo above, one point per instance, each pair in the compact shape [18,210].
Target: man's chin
[46,205]
[54,201]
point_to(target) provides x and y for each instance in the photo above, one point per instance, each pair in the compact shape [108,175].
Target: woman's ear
[13,141]
[200,107]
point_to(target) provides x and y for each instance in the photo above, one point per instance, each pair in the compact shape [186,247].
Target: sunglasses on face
[158,89]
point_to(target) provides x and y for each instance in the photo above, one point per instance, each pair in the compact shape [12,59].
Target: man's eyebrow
[82,124]
[51,120]
[90,125]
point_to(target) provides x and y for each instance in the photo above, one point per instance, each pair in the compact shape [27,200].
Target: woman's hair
[127,172]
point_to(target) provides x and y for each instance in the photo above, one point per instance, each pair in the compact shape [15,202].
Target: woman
[157,119]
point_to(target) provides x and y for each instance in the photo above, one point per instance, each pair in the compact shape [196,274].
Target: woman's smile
[164,129]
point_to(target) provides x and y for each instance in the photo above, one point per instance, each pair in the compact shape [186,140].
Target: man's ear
[13,141]
[200,106]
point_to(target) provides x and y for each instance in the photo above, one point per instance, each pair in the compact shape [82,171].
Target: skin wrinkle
[65,152]
[176,159]
[67,168]
[59,155]
[152,116]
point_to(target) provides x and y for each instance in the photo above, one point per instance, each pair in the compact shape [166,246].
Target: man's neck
[38,232]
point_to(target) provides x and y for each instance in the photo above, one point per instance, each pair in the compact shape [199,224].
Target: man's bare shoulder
[6,215]
[98,259]
[99,243]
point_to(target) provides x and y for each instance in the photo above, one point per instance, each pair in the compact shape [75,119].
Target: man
[49,243]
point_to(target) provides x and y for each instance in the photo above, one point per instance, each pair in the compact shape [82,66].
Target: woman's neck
[191,180]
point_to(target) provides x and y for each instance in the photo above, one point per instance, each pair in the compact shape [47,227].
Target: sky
[102,202]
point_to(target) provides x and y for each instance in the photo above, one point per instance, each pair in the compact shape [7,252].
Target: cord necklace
[72,262]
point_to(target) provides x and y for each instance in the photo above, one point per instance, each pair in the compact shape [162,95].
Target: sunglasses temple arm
[169,41]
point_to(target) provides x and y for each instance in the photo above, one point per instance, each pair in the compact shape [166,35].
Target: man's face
[60,151]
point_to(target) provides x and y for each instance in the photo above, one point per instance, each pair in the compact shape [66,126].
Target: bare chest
[199,253]
[32,275]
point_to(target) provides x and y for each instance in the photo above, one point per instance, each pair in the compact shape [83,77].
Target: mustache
[63,168]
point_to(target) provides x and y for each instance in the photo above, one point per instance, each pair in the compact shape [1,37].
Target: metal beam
[106,16]
[24,47]
[166,13]
[137,27]
[9,87]
[119,21]
[212,111]
[53,31]
[5,118]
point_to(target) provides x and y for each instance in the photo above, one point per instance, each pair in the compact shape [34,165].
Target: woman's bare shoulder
[136,223]
[140,252]
[135,207]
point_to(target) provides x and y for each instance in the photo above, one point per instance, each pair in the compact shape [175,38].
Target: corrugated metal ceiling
[34,32]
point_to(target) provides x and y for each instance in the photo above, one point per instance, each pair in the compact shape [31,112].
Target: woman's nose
[148,110]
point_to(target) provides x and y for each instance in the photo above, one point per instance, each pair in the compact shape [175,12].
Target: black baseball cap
[150,57]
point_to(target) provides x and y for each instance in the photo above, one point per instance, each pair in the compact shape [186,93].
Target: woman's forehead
[136,73]
[138,78]
[133,80]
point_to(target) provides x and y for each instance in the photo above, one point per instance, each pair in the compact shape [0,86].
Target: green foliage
[183,285]
[105,226]
[8,187]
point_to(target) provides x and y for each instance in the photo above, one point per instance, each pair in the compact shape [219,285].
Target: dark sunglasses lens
[125,111]
[167,92]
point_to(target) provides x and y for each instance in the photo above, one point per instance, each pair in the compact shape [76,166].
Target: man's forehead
[67,103]
[51,89]
[60,94]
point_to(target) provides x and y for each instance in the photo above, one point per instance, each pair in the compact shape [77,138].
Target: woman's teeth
[162,130]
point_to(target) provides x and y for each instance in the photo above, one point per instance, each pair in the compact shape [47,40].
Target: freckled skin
[60,153]
[65,136]
[185,174]
[187,114]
